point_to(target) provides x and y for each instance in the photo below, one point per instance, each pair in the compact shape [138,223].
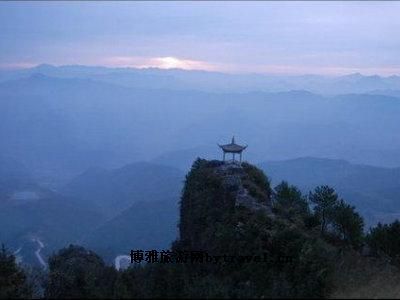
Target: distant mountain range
[58,127]
[178,79]
[374,191]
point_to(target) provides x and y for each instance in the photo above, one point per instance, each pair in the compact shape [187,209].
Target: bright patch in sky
[167,62]
[285,37]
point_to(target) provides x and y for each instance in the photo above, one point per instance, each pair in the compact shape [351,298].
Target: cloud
[233,37]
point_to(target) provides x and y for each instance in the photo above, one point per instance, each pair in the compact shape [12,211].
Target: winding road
[37,252]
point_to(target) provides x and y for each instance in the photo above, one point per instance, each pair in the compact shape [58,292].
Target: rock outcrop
[235,177]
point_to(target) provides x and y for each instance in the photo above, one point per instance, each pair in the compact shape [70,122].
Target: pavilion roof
[232,147]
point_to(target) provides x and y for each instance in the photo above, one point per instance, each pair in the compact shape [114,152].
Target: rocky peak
[216,196]
[235,178]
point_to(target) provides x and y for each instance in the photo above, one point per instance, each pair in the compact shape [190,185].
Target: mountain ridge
[182,79]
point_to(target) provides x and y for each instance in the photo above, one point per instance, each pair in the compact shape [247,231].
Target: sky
[330,38]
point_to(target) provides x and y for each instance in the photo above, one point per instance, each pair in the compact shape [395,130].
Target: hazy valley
[97,156]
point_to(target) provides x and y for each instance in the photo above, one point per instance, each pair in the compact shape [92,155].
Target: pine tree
[13,282]
[348,224]
[325,199]
[289,201]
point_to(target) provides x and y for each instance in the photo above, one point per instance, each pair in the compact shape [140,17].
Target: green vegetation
[13,281]
[78,273]
[289,202]
[256,182]
[307,247]
[337,220]
[384,240]
[348,224]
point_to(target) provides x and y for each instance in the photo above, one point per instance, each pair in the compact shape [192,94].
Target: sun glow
[167,62]
[172,63]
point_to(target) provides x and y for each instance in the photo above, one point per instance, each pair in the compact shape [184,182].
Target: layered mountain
[55,219]
[149,225]
[113,191]
[110,210]
[178,79]
[14,180]
[374,191]
[58,127]
[30,212]
[43,220]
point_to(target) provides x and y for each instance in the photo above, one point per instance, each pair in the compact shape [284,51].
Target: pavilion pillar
[240,157]
[224,157]
[233,157]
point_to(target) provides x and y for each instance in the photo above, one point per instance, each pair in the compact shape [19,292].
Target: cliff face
[250,187]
